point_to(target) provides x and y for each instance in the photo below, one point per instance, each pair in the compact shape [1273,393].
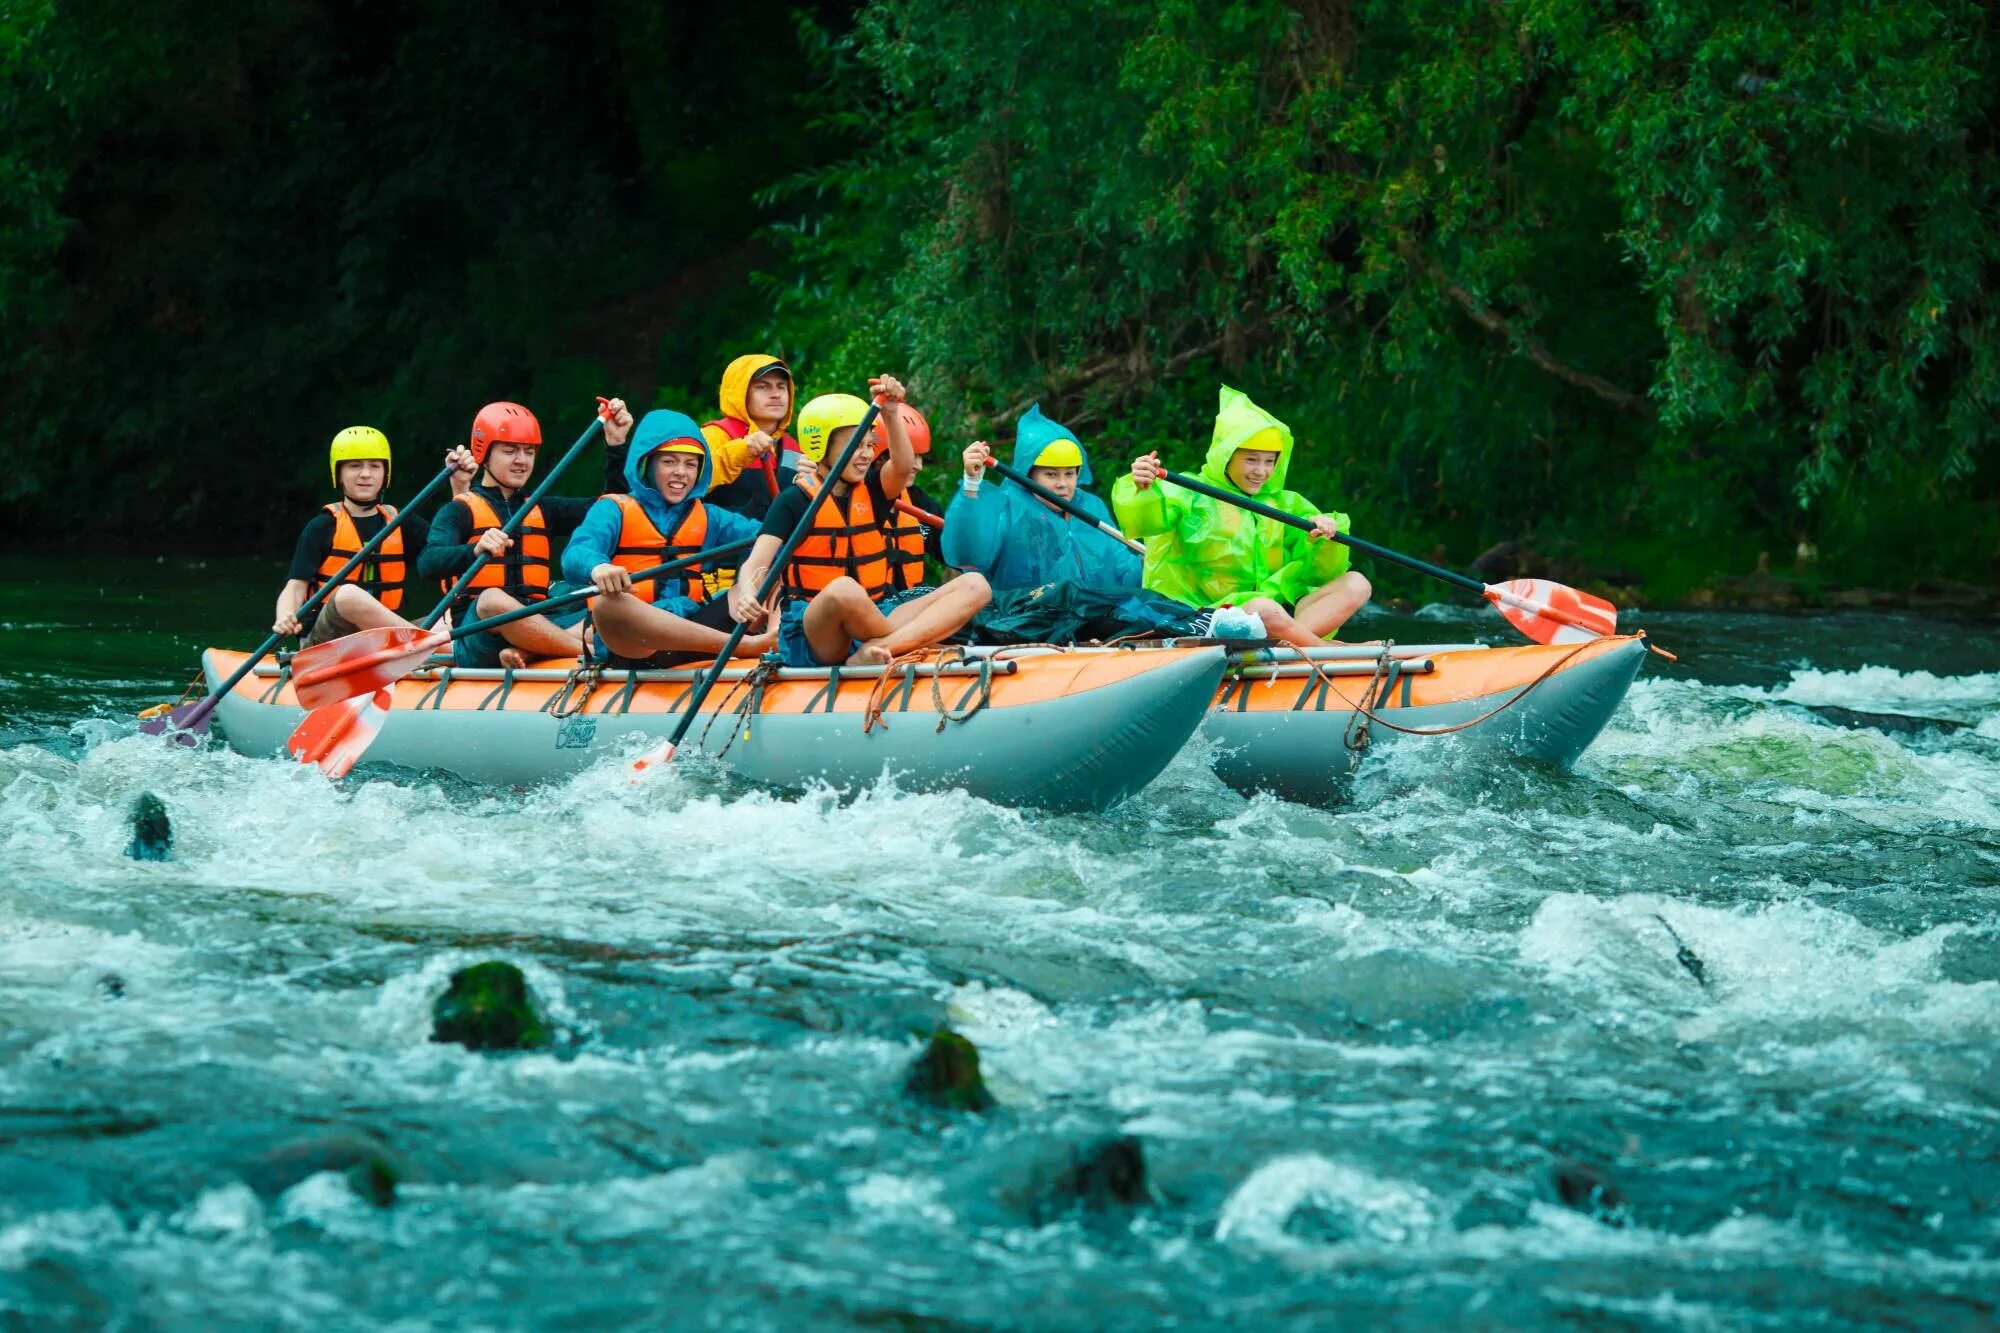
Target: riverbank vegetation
[1653,293]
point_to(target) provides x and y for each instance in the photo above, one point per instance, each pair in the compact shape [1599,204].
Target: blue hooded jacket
[1016,541]
[596,537]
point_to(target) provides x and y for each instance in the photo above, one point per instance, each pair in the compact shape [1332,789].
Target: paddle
[664,752]
[921,515]
[189,721]
[1036,488]
[364,662]
[1545,611]
[336,743]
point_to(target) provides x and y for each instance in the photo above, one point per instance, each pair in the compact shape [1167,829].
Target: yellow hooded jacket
[1207,553]
[729,454]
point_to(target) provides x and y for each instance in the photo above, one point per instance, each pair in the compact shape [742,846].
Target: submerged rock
[1589,1190]
[372,1171]
[152,831]
[947,1074]
[489,1007]
[1107,1174]
[1902,724]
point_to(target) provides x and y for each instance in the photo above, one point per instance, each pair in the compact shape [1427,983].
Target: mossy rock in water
[1590,1191]
[372,1171]
[947,1074]
[488,1007]
[1110,1173]
[152,831]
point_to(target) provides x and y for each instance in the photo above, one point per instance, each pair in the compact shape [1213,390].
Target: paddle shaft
[311,604]
[1242,501]
[771,577]
[569,599]
[481,560]
[1036,488]
[921,515]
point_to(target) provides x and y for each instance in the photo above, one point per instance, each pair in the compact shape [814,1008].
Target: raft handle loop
[983,687]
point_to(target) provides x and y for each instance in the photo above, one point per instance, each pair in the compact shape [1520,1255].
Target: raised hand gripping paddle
[664,752]
[1545,611]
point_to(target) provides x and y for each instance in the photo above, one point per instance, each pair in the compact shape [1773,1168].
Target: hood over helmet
[1034,432]
[736,377]
[1238,424]
[655,431]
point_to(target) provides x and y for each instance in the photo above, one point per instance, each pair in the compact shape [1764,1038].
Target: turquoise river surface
[1359,1046]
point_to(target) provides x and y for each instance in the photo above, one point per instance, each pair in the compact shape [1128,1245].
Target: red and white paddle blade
[360,663]
[663,753]
[1553,612]
[336,736]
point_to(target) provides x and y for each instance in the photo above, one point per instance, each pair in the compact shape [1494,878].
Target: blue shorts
[482,649]
[796,650]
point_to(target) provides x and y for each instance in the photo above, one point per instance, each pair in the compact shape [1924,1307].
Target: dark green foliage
[947,1075]
[1668,284]
[489,1007]
[152,831]
[1656,287]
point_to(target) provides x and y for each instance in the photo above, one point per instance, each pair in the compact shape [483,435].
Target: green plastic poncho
[1207,553]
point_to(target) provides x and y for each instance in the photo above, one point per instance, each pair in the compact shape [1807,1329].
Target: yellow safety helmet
[358,442]
[1059,453]
[824,415]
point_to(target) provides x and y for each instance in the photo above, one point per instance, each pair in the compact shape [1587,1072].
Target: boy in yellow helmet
[1204,552]
[371,596]
[841,602]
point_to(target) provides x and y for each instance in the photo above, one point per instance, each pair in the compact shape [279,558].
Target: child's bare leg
[359,608]
[1325,609]
[839,614]
[926,620]
[1278,624]
[632,628]
[536,636]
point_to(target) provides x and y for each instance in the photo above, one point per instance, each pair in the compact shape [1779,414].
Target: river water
[1359,1048]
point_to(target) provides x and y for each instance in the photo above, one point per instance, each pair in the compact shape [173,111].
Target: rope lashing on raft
[573,695]
[1357,738]
[956,655]
[756,678]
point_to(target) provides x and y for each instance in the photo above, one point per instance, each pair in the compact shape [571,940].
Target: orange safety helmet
[918,429]
[503,421]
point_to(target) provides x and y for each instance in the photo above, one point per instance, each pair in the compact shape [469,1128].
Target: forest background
[1655,291]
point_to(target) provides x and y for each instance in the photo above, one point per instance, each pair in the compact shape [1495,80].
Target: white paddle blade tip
[653,758]
[1550,612]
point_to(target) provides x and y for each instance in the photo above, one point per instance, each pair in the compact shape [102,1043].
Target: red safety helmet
[503,421]
[918,429]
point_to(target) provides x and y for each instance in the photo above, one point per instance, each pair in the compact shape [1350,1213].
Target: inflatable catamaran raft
[1057,728]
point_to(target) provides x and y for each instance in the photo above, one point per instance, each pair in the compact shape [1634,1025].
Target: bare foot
[756,645]
[513,658]
[871,653]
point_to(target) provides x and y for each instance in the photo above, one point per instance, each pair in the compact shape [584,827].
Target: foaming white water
[1780,963]
[1371,1209]
[1969,698]
[1728,741]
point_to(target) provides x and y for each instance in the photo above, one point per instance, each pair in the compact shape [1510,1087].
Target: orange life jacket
[523,573]
[906,536]
[856,545]
[641,545]
[381,575]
